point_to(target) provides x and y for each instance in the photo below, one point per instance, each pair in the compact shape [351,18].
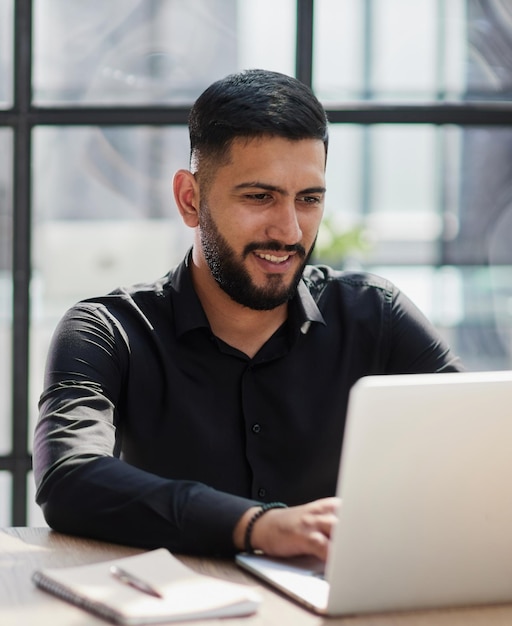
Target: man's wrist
[242,535]
[269,506]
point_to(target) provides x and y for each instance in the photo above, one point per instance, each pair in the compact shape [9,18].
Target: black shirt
[153,432]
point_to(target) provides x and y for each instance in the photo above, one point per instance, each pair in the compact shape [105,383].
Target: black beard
[232,277]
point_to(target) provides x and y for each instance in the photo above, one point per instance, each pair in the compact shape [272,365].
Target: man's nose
[284,225]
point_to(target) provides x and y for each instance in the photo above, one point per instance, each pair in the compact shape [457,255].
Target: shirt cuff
[210,519]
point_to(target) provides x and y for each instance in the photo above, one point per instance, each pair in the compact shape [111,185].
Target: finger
[329,504]
[325,524]
[318,545]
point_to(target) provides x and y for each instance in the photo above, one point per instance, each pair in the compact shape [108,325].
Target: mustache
[274,246]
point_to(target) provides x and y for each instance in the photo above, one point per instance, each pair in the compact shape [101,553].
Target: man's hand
[304,529]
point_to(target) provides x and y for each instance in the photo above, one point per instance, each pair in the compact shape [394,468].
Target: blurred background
[94,98]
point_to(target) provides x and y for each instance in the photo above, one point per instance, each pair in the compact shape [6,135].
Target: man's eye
[310,199]
[259,197]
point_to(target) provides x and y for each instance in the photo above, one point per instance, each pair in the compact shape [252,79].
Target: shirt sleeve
[415,345]
[83,486]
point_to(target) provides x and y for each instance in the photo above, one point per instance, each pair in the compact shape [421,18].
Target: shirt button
[256,428]
[262,492]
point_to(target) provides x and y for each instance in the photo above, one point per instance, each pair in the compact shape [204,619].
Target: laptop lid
[426,487]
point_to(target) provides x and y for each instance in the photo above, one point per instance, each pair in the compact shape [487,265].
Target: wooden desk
[21,604]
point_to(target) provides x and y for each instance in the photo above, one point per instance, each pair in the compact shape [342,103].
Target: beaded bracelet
[264,508]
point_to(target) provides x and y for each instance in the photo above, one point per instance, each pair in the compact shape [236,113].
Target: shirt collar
[308,309]
[189,314]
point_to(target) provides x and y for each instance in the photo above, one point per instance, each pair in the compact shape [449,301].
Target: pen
[135,582]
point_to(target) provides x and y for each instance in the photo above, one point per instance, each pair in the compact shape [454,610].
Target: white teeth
[274,259]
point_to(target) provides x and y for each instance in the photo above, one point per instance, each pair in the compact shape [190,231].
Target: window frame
[23,117]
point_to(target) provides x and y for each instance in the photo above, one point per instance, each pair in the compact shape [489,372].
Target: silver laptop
[426,487]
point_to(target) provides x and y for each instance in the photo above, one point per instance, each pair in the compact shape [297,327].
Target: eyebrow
[259,185]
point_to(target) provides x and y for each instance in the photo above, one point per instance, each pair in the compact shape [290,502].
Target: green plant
[336,243]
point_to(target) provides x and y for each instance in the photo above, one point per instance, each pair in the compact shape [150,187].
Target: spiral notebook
[172,591]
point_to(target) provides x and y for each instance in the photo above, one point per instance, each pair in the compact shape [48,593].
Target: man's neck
[241,327]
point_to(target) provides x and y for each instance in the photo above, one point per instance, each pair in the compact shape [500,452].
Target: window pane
[385,179]
[489,43]
[425,194]
[5,287]
[481,221]
[161,52]
[404,38]
[422,50]
[425,197]
[6,53]
[403,204]
[338,54]
[103,217]
[344,169]
[5,499]
[263,42]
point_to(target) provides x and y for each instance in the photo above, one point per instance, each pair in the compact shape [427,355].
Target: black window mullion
[109,116]
[21,258]
[457,113]
[304,42]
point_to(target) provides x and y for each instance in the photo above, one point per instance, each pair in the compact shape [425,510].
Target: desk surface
[22,550]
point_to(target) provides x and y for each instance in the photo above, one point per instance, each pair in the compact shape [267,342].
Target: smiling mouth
[272,258]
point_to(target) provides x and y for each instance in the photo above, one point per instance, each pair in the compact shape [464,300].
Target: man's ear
[186,195]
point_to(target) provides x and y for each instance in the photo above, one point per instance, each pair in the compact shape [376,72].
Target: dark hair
[249,104]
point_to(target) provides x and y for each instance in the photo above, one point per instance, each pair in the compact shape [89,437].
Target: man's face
[259,218]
